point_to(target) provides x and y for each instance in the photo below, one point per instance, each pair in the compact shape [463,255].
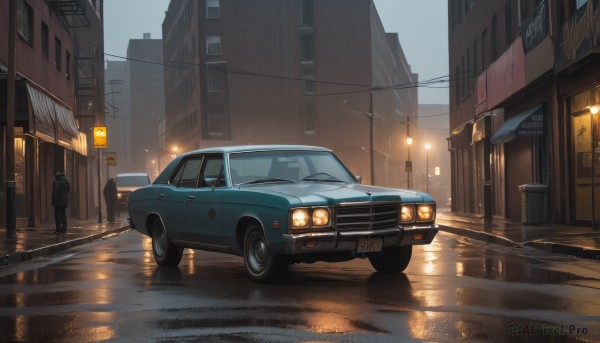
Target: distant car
[127,183]
[278,205]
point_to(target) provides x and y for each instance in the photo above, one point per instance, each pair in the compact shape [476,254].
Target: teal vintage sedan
[277,205]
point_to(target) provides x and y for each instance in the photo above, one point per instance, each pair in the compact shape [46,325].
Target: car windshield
[287,166]
[132,181]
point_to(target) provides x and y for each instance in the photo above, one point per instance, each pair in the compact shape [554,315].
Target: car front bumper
[340,241]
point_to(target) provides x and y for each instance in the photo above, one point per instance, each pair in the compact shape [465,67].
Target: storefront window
[586,148]
[20,165]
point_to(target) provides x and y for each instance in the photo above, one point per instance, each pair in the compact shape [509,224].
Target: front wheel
[165,253]
[391,260]
[261,264]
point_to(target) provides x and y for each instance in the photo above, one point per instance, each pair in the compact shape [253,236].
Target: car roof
[132,174]
[247,148]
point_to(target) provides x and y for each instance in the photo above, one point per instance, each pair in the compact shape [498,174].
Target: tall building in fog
[145,87]
[288,72]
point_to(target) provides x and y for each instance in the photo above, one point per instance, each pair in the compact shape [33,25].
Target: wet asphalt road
[454,290]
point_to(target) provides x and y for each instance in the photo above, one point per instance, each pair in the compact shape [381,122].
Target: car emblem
[368,193]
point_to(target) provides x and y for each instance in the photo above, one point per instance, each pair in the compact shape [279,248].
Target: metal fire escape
[73,11]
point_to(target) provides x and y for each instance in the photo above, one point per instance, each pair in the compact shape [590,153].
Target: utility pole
[370,116]
[11,220]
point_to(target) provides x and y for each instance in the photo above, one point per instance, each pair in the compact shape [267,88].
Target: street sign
[110,159]
[408,167]
[100,137]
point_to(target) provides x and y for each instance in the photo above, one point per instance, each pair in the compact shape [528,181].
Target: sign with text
[110,158]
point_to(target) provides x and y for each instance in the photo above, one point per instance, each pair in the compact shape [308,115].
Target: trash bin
[532,203]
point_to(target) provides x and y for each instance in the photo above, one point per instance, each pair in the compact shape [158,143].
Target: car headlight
[407,214]
[425,213]
[304,218]
[300,218]
[320,217]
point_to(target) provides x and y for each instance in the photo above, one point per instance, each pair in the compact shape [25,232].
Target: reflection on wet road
[453,290]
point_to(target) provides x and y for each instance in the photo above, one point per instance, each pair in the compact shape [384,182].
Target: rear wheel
[391,260]
[261,264]
[165,253]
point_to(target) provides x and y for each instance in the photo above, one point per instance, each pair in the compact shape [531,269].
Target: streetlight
[427,147]
[370,116]
[593,111]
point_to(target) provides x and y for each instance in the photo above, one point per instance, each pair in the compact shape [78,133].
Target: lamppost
[593,111]
[427,147]
[370,116]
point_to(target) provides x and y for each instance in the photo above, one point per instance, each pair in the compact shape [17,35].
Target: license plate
[369,244]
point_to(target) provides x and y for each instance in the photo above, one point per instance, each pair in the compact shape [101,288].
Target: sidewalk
[34,242]
[578,241]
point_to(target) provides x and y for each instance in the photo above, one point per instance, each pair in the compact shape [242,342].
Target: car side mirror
[358,178]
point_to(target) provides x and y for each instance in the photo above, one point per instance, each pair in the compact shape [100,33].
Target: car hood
[314,193]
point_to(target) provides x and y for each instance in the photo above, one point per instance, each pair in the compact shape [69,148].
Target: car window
[186,174]
[288,165]
[212,173]
[132,181]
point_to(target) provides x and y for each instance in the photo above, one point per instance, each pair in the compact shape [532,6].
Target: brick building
[288,72]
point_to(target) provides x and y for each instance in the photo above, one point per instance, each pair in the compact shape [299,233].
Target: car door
[204,203]
[173,198]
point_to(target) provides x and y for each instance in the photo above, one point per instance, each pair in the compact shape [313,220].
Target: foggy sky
[422,28]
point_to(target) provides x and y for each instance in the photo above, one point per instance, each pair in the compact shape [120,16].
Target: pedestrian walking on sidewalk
[110,198]
[60,200]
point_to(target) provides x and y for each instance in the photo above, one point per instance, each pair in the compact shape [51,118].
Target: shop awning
[461,136]
[50,117]
[529,123]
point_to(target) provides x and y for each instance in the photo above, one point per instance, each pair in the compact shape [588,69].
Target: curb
[51,249]
[593,254]
[481,236]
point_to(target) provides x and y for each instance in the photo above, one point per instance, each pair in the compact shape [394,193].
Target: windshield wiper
[329,179]
[265,180]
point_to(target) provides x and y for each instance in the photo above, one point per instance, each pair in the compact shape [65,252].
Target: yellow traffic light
[100,137]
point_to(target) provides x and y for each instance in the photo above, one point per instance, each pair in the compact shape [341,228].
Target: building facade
[289,72]
[47,135]
[525,75]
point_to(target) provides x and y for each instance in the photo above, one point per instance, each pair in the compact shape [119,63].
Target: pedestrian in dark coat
[60,200]
[110,198]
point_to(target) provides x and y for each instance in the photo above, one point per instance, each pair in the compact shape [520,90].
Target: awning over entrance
[460,137]
[51,121]
[529,123]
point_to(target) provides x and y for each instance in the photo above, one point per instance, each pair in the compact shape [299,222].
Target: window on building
[456,86]
[475,60]
[307,13]
[213,8]
[310,122]
[45,39]
[213,45]
[308,47]
[215,78]
[57,52]
[494,37]
[484,52]
[469,74]
[68,65]
[309,83]
[25,21]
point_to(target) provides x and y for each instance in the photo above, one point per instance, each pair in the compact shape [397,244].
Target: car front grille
[374,216]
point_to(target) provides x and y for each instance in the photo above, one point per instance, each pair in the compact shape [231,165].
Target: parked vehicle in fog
[127,183]
[278,205]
